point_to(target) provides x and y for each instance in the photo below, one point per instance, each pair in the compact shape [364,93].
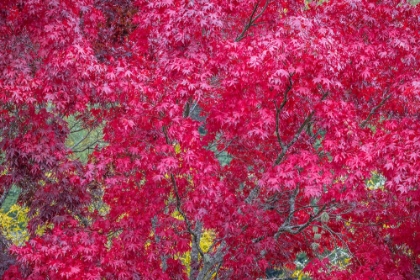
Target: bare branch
[253,194]
[374,109]
[77,130]
[209,263]
[295,138]
[196,239]
[224,149]
[212,263]
[91,146]
[195,236]
[83,139]
[337,235]
[195,260]
[278,111]
[306,122]
[164,257]
[287,224]
[292,201]
[165,132]
[252,19]
[76,123]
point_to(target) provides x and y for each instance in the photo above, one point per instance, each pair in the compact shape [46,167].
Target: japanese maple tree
[309,102]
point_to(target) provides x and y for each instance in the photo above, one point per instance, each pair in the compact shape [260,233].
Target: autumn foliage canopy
[268,128]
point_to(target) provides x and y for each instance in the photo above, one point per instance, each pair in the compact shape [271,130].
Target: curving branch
[280,109]
[297,134]
[295,229]
[195,236]
[374,109]
[295,138]
[337,236]
[252,19]
[210,263]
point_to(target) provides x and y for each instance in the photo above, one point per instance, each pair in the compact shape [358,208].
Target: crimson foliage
[308,101]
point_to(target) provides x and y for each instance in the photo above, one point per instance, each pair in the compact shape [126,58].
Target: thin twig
[279,110]
[83,139]
[307,120]
[77,130]
[90,146]
[327,228]
[184,216]
[224,149]
[188,224]
[295,138]
[252,19]
[295,229]
[373,111]
[74,125]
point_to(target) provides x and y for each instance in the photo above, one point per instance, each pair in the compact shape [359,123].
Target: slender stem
[306,122]
[83,139]
[279,110]
[252,19]
[196,239]
[374,109]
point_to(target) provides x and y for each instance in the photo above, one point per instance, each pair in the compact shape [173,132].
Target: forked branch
[279,110]
[297,134]
[295,229]
[252,19]
[194,235]
[374,109]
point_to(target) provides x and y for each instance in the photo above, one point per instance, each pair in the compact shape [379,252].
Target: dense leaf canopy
[209,139]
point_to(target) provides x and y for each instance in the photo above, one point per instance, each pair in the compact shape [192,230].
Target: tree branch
[374,109]
[196,239]
[278,111]
[292,201]
[212,263]
[76,123]
[252,19]
[90,146]
[224,149]
[295,138]
[333,233]
[164,257]
[83,139]
[306,122]
[195,260]
[294,229]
